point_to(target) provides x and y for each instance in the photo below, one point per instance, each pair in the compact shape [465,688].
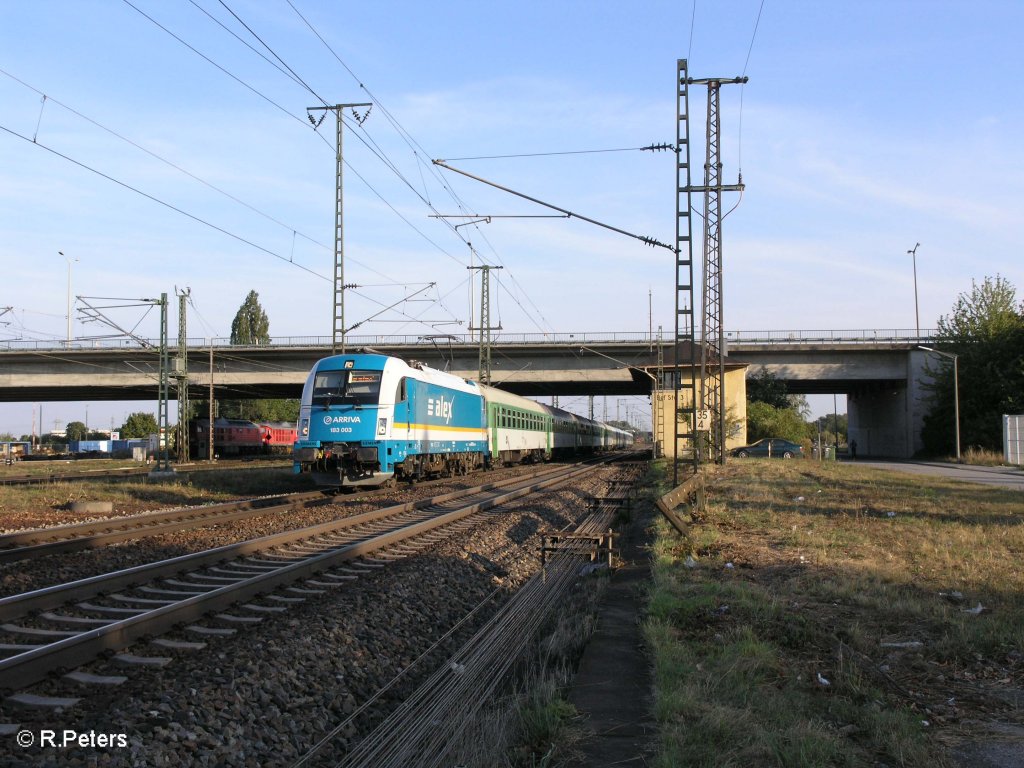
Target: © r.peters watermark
[69,738]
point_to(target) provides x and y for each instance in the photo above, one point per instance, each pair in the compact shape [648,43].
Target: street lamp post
[917,316]
[956,396]
[68,260]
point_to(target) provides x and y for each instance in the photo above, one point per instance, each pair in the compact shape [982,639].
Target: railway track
[92,534]
[61,539]
[65,626]
[130,472]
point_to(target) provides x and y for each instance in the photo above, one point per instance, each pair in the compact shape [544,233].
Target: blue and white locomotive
[370,419]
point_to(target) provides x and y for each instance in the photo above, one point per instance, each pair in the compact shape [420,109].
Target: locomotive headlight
[304,428]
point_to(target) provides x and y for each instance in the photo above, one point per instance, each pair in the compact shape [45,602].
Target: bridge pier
[887,421]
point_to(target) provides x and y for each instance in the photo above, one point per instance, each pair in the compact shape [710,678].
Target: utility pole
[338,331]
[181,376]
[485,322]
[713,349]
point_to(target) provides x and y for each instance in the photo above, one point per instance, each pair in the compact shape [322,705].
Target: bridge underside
[841,386]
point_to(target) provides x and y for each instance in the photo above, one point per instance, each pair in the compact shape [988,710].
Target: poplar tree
[251,325]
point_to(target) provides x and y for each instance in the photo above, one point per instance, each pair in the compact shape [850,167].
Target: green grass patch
[833,566]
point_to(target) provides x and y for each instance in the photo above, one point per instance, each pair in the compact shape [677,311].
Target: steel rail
[60,539]
[92,534]
[34,665]
[50,597]
[129,472]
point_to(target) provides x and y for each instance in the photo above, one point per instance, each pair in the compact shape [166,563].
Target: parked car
[774,447]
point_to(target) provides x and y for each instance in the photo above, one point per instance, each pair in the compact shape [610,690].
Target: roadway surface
[997,477]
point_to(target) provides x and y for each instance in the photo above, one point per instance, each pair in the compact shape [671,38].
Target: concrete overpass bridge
[880,371]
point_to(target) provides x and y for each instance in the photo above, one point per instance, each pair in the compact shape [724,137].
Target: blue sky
[866,127]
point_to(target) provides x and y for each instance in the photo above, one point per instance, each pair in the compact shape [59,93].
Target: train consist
[238,437]
[369,419]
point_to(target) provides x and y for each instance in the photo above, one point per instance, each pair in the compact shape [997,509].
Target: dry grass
[807,569]
[32,506]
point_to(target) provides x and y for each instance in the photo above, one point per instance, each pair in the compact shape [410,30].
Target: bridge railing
[847,336]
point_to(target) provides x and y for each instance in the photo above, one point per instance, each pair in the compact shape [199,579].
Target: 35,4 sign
[704,420]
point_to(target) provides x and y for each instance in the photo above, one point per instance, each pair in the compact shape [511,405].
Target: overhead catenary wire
[743,86]
[294,117]
[419,153]
[164,203]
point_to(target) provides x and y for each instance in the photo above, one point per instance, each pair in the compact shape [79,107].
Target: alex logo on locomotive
[441,408]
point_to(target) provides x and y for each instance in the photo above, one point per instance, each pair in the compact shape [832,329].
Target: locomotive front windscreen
[346,387]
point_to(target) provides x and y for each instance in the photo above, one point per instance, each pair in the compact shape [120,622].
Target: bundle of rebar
[427,727]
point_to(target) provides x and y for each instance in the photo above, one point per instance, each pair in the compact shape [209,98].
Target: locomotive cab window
[346,387]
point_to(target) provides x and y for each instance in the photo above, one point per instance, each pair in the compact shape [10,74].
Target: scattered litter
[799,498]
[955,595]
[729,566]
[457,668]
[973,611]
[802,559]
[904,644]
[891,514]
[925,723]
[721,610]
[690,562]
[822,681]
[590,568]
[818,491]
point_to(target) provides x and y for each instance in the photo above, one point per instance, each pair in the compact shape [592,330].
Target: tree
[76,430]
[259,410]
[139,425]
[764,420]
[251,325]
[766,388]
[986,332]
[832,426]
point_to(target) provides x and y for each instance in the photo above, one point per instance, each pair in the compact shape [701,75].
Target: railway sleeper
[265,608]
[177,645]
[210,631]
[233,619]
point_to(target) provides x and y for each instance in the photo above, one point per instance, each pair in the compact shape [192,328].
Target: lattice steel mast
[713,350]
[338,331]
[163,463]
[685,391]
[485,322]
[181,377]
